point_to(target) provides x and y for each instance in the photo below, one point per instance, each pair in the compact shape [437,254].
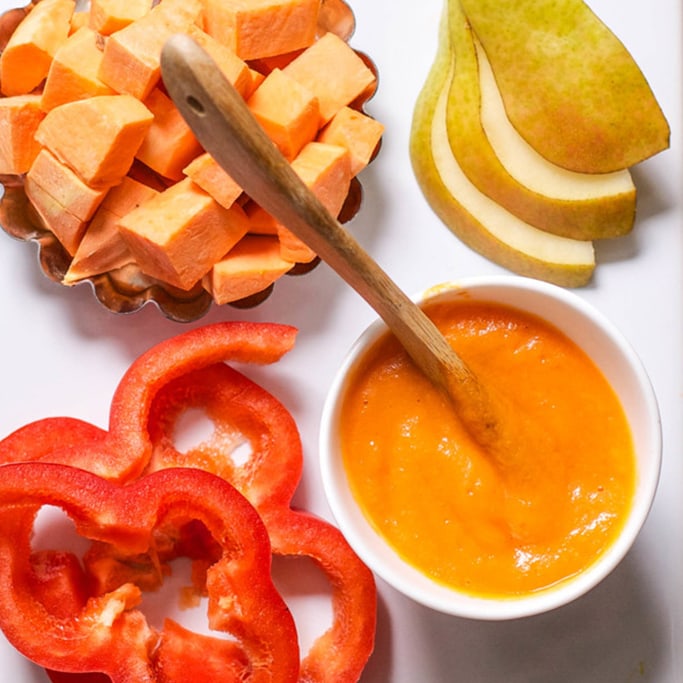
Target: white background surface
[63,354]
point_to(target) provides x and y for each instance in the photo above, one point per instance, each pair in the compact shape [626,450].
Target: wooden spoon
[225,127]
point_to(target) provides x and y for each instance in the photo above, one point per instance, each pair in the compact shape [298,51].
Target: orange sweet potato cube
[79,19]
[333,72]
[102,248]
[20,116]
[59,181]
[287,111]
[63,200]
[235,69]
[131,61]
[169,144]
[73,72]
[261,28]
[128,195]
[266,64]
[97,137]
[25,61]
[256,79]
[251,266]
[210,176]
[178,235]
[109,16]
[326,170]
[355,131]
[66,227]
[260,221]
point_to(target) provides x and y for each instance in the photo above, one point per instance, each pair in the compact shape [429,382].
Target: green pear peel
[476,219]
[570,87]
[504,167]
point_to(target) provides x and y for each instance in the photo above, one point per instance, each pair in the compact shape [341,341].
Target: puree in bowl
[447,507]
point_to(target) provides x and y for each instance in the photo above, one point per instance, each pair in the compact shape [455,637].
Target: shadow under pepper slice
[108,634]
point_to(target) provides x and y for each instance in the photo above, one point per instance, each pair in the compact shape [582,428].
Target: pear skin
[505,168]
[472,216]
[570,87]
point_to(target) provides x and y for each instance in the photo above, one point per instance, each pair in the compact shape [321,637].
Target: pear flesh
[476,219]
[570,87]
[508,170]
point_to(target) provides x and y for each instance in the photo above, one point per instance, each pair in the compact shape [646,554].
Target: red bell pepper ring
[341,653]
[60,440]
[243,342]
[268,479]
[108,634]
[122,453]
[243,414]
[184,372]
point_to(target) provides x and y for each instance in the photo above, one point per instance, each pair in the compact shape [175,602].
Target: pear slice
[476,219]
[505,167]
[570,87]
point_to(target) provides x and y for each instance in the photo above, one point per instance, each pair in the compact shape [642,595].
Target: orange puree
[446,506]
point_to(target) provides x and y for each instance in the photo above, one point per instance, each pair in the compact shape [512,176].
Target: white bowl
[622,368]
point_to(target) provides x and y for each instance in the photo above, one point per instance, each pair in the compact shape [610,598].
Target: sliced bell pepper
[188,372]
[59,439]
[242,342]
[240,409]
[244,416]
[107,634]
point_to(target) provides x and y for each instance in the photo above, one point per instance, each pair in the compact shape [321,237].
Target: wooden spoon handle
[226,128]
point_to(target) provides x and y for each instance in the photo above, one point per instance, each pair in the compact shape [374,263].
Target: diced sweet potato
[287,111]
[266,64]
[128,195]
[102,248]
[178,235]
[169,144]
[236,70]
[73,72]
[251,266]
[260,221]
[291,247]
[359,133]
[108,16]
[66,227]
[20,116]
[79,19]
[114,171]
[256,79]
[326,170]
[131,62]
[25,61]
[210,176]
[59,181]
[333,72]
[97,137]
[261,28]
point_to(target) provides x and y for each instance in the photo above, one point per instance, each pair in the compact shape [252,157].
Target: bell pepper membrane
[108,634]
[100,590]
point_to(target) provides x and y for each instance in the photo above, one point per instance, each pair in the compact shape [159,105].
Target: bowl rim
[384,561]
